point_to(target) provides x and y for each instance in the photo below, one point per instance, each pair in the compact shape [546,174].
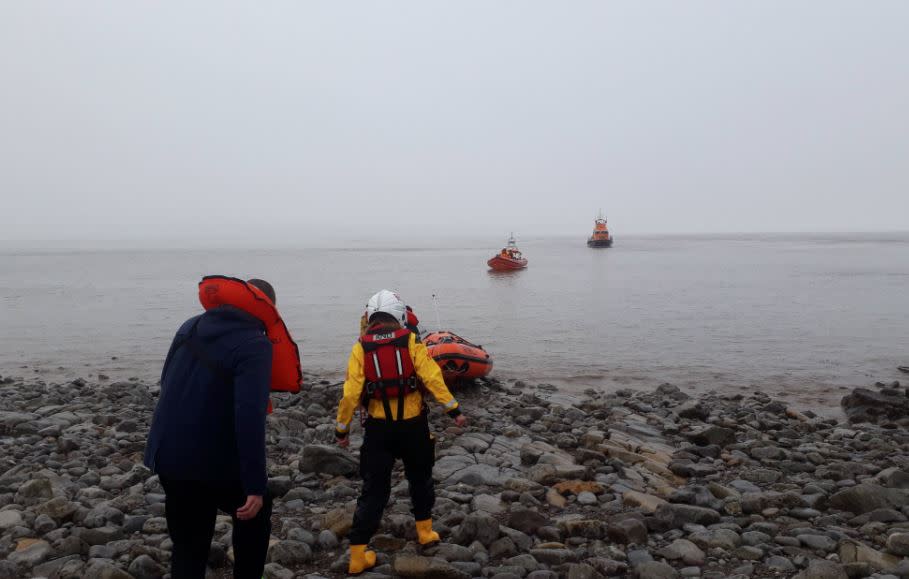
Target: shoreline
[821,395]
[647,483]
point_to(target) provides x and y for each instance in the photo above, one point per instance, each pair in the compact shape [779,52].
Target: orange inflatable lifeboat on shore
[510,258]
[458,358]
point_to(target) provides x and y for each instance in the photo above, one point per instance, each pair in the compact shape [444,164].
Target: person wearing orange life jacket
[382,373]
[207,438]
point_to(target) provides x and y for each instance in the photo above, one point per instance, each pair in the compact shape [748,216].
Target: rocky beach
[653,483]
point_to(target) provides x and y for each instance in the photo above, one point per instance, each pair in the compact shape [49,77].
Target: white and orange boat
[458,358]
[510,258]
[600,236]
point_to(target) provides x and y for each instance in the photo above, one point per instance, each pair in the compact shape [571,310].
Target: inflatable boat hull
[458,358]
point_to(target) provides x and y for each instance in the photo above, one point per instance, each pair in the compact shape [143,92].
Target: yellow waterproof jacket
[427,370]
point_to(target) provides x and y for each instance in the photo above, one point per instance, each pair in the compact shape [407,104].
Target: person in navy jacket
[207,439]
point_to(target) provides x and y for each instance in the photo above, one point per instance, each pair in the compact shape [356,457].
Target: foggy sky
[285,119]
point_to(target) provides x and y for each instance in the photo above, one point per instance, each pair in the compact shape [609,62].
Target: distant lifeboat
[458,358]
[600,236]
[509,258]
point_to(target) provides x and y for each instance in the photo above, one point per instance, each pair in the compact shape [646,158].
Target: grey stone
[781,564]
[587,498]
[409,565]
[675,516]
[867,497]
[289,553]
[526,520]
[279,486]
[692,409]
[10,519]
[712,435]
[754,538]
[502,547]
[747,553]
[322,458]
[101,535]
[51,567]
[823,569]
[477,475]
[487,503]
[276,571]
[144,567]
[638,556]
[480,527]
[34,491]
[898,544]
[685,550]
[155,526]
[553,556]
[628,531]
[452,552]
[101,569]
[655,570]
[818,542]
[587,528]
[58,508]
[864,405]
[327,539]
[581,571]
[761,475]
[32,555]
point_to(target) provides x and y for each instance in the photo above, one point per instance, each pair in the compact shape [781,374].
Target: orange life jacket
[219,290]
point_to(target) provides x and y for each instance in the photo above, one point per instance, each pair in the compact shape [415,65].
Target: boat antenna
[435,306]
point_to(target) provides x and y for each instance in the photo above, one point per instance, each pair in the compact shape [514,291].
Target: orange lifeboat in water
[458,358]
[510,258]
[600,236]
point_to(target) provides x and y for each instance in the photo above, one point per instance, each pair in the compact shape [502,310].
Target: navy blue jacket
[209,424]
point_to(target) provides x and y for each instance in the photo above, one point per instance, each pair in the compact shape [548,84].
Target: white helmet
[388,302]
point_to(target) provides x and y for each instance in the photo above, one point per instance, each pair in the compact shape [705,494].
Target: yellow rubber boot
[360,559]
[425,534]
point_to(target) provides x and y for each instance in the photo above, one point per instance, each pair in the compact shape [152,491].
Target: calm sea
[802,316]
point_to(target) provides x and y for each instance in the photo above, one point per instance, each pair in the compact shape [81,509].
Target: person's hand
[461,420]
[344,442]
[251,508]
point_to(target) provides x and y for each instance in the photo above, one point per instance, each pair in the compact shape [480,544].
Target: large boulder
[856,552]
[864,405]
[319,458]
[868,497]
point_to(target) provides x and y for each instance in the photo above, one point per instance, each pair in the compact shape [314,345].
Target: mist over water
[798,316]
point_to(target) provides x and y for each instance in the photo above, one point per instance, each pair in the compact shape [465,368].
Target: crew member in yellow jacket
[384,373]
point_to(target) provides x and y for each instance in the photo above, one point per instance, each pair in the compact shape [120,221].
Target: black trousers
[383,443]
[191,508]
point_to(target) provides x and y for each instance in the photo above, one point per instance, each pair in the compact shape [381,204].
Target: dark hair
[383,318]
[265,287]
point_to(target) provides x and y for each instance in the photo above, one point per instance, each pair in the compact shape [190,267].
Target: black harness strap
[386,405]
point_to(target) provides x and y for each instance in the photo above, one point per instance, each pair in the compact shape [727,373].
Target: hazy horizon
[409,241]
[169,122]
